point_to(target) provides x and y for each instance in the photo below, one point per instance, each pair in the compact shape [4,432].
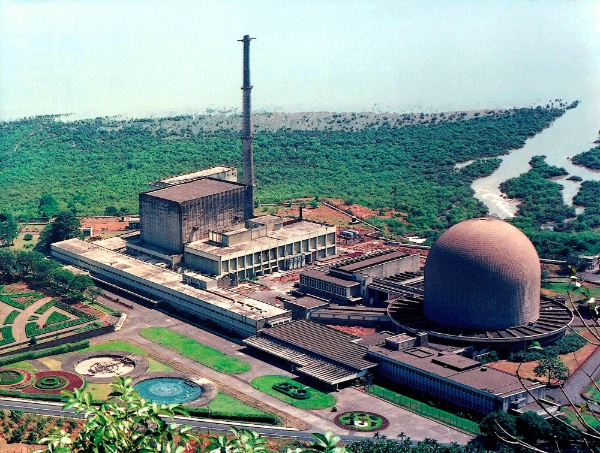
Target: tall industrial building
[199,235]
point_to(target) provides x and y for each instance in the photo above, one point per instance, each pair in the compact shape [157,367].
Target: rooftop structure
[357,279]
[223,173]
[317,351]
[271,244]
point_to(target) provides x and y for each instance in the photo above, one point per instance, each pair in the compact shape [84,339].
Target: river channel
[571,134]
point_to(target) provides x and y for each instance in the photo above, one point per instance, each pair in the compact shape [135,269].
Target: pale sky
[107,57]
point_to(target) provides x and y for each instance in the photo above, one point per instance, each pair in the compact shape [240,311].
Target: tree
[126,423]
[64,226]
[9,229]
[48,205]
[533,427]
[496,423]
[111,211]
[553,368]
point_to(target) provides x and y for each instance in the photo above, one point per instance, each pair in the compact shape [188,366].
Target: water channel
[571,134]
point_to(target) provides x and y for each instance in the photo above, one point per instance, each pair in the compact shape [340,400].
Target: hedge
[56,317]
[8,299]
[7,335]
[11,317]
[91,326]
[44,308]
[271,419]
[27,355]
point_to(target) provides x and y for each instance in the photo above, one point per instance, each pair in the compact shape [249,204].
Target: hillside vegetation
[402,162]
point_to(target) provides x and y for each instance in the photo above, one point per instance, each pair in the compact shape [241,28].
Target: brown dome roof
[482,274]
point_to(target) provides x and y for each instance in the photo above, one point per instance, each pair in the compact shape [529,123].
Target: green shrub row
[74,311]
[56,317]
[7,335]
[35,396]
[31,328]
[8,299]
[44,308]
[271,419]
[27,355]
[93,326]
[11,317]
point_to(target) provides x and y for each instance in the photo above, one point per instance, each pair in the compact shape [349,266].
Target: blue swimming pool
[168,390]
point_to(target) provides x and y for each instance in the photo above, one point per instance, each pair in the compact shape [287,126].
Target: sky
[148,57]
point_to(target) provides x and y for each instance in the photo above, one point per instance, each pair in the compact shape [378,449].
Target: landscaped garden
[361,421]
[196,351]
[316,399]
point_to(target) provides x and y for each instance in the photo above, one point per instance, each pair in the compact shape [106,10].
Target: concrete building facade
[454,378]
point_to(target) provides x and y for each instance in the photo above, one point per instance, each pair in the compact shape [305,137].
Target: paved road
[56,410]
[579,382]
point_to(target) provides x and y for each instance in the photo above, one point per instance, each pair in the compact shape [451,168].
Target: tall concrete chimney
[247,152]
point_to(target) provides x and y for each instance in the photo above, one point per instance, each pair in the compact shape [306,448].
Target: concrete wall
[215,212]
[160,222]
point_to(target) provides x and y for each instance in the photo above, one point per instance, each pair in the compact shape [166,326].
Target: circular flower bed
[53,382]
[361,421]
[10,377]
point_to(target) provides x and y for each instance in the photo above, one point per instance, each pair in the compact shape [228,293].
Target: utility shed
[182,213]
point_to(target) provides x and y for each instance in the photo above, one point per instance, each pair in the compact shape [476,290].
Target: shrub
[270,419]
[11,317]
[27,355]
[7,335]
[28,237]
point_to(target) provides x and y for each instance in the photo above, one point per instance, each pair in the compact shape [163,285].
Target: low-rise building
[451,377]
[193,293]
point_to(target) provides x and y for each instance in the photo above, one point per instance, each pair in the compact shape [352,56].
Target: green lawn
[155,365]
[117,346]
[317,400]
[24,365]
[562,289]
[226,403]
[196,351]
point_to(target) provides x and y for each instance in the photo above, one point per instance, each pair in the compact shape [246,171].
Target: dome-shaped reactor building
[482,286]
[483,274]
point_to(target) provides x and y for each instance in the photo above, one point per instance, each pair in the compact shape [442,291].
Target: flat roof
[475,375]
[320,275]
[196,174]
[365,261]
[323,341]
[295,231]
[193,190]
[307,302]
[235,303]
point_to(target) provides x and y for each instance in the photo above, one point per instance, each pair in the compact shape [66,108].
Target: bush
[11,317]
[270,419]
[7,335]
[27,355]
[28,237]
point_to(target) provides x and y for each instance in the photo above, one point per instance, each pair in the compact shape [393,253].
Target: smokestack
[247,152]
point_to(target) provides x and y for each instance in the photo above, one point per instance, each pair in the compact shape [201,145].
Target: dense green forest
[552,226]
[90,165]
[589,159]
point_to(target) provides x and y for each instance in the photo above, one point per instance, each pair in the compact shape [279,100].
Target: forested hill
[404,162]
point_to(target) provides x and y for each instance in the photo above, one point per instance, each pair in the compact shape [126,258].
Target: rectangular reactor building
[183,213]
